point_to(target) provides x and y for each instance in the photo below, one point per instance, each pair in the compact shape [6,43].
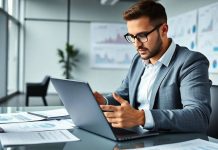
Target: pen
[39,115]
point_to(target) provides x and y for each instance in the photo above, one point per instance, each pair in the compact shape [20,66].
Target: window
[12,58]
[9,47]
[12,7]
[1,3]
[3,54]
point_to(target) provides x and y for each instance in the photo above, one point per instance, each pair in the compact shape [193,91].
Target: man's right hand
[99,98]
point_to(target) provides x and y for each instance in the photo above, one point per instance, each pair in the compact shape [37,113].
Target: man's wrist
[141,117]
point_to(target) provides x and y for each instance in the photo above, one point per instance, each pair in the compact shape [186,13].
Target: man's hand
[99,98]
[123,116]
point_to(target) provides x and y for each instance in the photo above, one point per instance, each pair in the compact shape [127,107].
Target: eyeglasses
[142,36]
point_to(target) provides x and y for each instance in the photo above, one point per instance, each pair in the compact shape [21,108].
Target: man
[167,86]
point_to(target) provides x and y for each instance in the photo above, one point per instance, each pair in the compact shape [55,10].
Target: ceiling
[113,2]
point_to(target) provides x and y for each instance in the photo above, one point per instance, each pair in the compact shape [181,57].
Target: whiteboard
[109,49]
[183,29]
[208,34]
[198,31]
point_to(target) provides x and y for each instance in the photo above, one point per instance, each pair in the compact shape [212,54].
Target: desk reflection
[93,142]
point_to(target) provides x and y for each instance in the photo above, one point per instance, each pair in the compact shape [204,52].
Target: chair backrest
[45,83]
[213,126]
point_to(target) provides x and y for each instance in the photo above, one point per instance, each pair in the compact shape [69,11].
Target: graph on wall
[109,49]
[183,29]
[208,34]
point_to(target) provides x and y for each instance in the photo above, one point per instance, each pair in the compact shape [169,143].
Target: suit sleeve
[123,90]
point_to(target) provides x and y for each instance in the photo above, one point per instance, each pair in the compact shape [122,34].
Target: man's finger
[99,98]
[115,125]
[112,120]
[97,95]
[109,114]
[108,107]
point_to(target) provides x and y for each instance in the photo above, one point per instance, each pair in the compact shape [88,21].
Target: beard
[146,53]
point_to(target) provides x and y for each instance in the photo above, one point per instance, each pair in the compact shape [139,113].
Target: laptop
[86,114]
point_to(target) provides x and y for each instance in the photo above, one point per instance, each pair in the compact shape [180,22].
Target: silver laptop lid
[80,103]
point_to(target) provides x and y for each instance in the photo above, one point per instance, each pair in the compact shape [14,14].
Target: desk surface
[92,141]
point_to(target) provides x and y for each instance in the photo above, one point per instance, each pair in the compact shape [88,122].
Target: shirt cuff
[105,101]
[149,120]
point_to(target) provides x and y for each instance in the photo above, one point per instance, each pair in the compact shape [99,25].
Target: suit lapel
[162,73]
[136,81]
[160,77]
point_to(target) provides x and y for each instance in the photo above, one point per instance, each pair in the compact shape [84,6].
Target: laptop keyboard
[123,132]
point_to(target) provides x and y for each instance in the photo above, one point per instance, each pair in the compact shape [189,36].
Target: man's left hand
[123,116]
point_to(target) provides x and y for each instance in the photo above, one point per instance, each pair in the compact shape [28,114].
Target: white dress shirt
[147,81]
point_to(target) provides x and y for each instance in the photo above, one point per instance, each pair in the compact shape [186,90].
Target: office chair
[213,126]
[37,89]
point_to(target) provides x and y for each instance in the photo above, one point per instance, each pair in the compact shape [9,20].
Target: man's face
[152,47]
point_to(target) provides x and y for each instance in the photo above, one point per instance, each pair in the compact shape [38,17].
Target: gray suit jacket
[180,100]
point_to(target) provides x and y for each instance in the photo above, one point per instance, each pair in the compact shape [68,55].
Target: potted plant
[68,59]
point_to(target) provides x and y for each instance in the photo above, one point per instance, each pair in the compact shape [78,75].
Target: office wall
[43,37]
[104,80]
[42,41]
[3,54]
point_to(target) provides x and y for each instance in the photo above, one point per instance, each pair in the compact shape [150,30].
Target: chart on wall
[109,49]
[208,34]
[183,29]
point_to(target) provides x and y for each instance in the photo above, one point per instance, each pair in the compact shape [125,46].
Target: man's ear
[164,29]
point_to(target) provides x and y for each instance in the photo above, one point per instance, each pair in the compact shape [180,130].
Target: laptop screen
[81,104]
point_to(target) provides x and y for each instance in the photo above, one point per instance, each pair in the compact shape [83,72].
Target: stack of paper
[18,117]
[9,139]
[51,114]
[20,131]
[37,126]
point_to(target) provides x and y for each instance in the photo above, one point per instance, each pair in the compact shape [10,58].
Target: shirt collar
[167,56]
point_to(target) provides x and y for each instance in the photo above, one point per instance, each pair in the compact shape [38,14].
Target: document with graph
[36,126]
[18,117]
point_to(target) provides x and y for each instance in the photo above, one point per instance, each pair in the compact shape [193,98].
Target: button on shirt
[147,81]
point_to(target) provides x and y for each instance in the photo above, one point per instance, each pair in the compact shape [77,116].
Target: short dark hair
[148,8]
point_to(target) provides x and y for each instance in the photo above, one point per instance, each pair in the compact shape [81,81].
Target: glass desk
[92,141]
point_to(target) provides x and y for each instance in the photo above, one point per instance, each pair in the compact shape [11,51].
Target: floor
[19,100]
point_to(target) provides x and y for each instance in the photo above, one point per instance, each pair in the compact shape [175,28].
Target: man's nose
[137,43]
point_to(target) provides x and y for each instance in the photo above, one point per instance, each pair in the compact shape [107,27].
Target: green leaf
[68,58]
[73,64]
[61,53]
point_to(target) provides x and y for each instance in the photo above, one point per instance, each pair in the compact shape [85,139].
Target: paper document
[36,126]
[18,117]
[70,121]
[51,113]
[10,139]
[197,144]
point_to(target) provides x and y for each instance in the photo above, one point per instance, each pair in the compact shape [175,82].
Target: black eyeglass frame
[145,34]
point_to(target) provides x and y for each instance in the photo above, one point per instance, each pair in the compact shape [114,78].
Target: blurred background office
[31,31]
